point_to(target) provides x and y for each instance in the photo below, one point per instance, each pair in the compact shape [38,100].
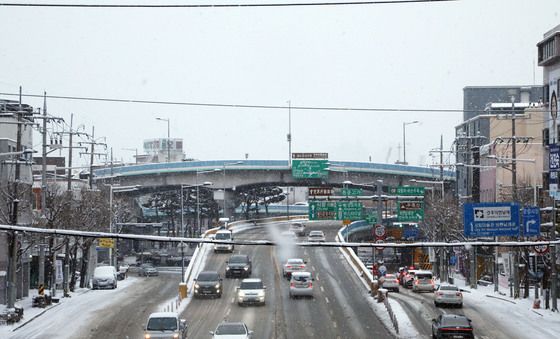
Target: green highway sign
[408,190]
[351,192]
[322,210]
[371,218]
[410,211]
[335,210]
[309,168]
[349,210]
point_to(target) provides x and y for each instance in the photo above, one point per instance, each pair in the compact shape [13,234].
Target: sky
[391,56]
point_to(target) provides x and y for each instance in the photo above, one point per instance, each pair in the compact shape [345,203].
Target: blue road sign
[491,219]
[410,232]
[554,158]
[531,221]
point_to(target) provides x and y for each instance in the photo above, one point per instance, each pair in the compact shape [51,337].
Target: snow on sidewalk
[82,302]
[516,314]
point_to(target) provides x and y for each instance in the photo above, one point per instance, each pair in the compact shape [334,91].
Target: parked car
[448,295]
[390,282]
[452,326]
[224,234]
[301,285]
[293,265]
[251,291]
[104,277]
[231,330]
[239,265]
[298,228]
[316,236]
[165,325]
[147,270]
[123,271]
[423,282]
[208,284]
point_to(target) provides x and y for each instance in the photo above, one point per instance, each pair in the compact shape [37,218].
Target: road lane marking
[334,324]
[327,300]
[313,267]
[322,289]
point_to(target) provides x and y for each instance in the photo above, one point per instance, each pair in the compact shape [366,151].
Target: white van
[165,325]
[104,277]
[225,235]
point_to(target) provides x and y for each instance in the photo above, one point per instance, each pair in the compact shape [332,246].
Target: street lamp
[135,151]
[183,186]
[116,189]
[224,182]
[404,138]
[442,183]
[168,138]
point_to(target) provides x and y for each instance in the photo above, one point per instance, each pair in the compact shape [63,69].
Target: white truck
[224,234]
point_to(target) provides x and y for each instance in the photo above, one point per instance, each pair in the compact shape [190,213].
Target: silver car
[448,295]
[316,236]
[232,330]
[165,325]
[298,228]
[301,285]
[423,282]
[390,282]
[251,291]
[293,265]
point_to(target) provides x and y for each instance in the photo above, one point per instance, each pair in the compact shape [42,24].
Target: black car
[452,326]
[208,284]
[239,265]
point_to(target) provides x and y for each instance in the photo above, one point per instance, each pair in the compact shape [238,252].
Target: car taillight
[459,294]
[397,281]
[301,266]
[292,285]
[288,266]
[439,293]
[416,282]
[432,282]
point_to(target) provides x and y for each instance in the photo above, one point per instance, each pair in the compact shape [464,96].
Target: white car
[165,325]
[298,228]
[316,236]
[231,330]
[293,265]
[251,291]
[390,282]
[301,285]
[448,295]
[104,277]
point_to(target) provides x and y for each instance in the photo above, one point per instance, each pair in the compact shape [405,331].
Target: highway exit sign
[412,211]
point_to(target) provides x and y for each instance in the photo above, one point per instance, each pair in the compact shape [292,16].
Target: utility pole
[553,271]
[69,183]
[13,242]
[516,287]
[92,153]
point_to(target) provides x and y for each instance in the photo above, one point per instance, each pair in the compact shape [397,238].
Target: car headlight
[217,286]
[246,268]
[241,294]
[261,294]
[227,268]
[147,336]
[176,336]
[196,286]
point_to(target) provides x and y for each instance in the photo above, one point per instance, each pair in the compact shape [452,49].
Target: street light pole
[404,138]
[168,142]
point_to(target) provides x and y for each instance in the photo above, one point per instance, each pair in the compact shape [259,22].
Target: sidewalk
[516,314]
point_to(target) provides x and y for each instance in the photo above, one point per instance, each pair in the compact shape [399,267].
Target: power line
[209,104]
[241,5]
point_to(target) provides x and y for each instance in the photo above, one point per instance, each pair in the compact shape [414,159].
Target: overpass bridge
[230,174]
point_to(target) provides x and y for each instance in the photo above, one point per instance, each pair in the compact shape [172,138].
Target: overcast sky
[371,56]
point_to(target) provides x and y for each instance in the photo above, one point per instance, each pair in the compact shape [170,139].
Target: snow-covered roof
[164,315]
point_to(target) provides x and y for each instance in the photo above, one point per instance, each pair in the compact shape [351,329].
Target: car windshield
[223,236]
[455,322]
[231,329]
[448,288]
[208,276]
[301,278]
[238,260]
[251,285]
[162,324]
[295,262]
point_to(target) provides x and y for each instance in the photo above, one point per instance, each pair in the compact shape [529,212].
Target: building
[8,161]
[495,157]
[480,103]
[155,150]
[549,60]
